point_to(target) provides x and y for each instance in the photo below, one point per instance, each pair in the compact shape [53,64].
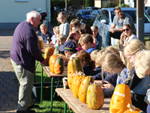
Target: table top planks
[77,106]
[49,74]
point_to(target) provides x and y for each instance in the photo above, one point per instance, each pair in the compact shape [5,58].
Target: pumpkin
[95,96]
[83,88]
[74,65]
[120,99]
[40,43]
[70,79]
[132,109]
[52,61]
[47,53]
[59,65]
[77,79]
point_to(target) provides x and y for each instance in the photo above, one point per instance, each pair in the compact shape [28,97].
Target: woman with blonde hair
[142,63]
[133,47]
[142,68]
[129,76]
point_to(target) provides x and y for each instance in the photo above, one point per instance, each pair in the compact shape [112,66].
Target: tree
[88,3]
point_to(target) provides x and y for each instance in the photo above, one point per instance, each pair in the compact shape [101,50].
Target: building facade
[14,11]
[105,3]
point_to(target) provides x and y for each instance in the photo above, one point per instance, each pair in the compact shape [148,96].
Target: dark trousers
[138,101]
[115,35]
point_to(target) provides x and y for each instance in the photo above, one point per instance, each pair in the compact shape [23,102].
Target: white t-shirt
[64,29]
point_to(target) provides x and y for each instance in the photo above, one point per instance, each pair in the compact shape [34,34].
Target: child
[64,25]
[86,42]
[74,25]
[69,48]
[86,62]
[46,36]
[55,35]
[112,66]
[97,39]
[75,36]
[60,44]
[85,29]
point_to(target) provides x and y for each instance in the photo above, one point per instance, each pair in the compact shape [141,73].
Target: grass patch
[44,106]
[39,74]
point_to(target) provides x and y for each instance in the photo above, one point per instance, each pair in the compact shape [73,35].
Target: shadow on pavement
[6,32]
[8,91]
[4,54]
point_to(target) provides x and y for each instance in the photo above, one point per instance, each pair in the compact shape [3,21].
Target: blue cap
[70,46]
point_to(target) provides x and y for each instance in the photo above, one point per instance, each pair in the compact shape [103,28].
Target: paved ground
[8,82]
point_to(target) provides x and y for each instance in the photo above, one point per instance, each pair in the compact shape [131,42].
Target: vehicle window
[112,15]
[132,14]
[86,13]
[147,14]
[104,16]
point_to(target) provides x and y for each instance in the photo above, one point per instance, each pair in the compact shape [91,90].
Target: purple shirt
[25,50]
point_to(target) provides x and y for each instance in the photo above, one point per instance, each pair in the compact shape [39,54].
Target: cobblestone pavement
[8,81]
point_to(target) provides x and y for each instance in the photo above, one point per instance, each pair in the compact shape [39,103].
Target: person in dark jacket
[45,34]
[24,52]
[97,39]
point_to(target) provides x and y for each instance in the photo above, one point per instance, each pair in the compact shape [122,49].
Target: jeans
[25,79]
[148,108]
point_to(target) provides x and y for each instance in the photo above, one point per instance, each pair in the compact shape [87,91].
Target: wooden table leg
[41,98]
[51,94]
[65,108]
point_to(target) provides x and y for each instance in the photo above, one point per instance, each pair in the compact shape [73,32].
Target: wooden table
[76,105]
[52,76]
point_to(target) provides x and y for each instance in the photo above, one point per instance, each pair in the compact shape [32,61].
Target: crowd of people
[128,63]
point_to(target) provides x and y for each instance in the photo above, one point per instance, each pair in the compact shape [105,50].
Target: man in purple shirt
[24,53]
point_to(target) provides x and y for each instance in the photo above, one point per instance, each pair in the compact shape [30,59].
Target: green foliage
[89,3]
[123,5]
[44,106]
[59,3]
[111,5]
[38,74]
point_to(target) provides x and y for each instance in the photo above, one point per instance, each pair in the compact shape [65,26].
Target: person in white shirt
[64,25]
[126,36]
